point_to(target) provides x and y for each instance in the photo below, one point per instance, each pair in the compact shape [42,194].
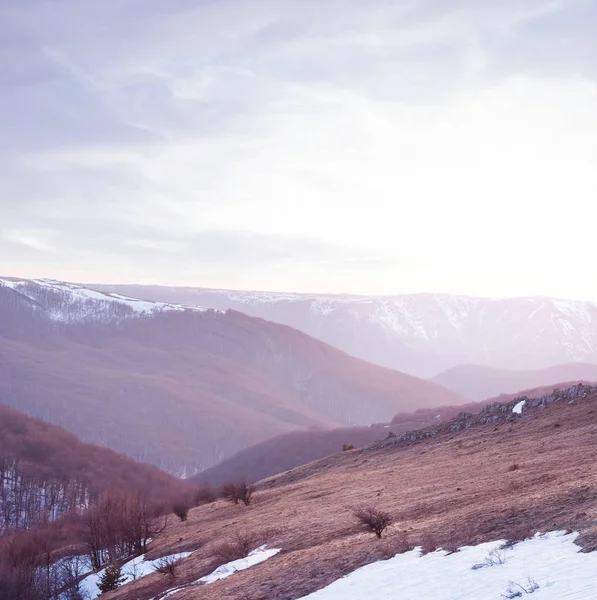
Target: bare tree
[245,492]
[72,570]
[240,491]
[229,492]
[120,525]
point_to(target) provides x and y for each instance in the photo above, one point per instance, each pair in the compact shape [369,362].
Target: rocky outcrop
[495,413]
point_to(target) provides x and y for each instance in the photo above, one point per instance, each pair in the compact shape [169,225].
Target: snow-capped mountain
[180,386]
[71,303]
[422,334]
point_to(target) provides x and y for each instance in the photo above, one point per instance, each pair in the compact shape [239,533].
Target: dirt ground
[510,480]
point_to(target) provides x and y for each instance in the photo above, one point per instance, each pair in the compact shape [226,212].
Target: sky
[333,146]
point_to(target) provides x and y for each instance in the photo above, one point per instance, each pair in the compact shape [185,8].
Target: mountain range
[421,334]
[181,386]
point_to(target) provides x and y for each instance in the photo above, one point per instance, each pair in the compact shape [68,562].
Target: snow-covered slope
[422,334]
[71,303]
[548,567]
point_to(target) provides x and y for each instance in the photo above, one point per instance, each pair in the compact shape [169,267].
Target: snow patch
[257,556]
[76,303]
[552,560]
[132,570]
[517,410]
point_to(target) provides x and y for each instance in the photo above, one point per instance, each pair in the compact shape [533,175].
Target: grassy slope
[456,488]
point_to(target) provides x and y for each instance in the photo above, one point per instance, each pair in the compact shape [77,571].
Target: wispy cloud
[386,146]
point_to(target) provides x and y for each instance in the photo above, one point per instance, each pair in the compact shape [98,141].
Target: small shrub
[403,544]
[518,533]
[516,590]
[181,510]
[238,492]
[496,557]
[514,467]
[347,447]
[451,546]
[428,544]
[239,546]
[373,519]
[168,566]
[398,544]
[205,495]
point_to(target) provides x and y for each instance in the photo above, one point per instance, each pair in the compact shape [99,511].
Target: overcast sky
[302,145]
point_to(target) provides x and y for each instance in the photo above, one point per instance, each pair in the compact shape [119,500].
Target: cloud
[31,239]
[397,146]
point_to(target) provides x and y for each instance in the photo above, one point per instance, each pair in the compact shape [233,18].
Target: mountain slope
[478,382]
[493,476]
[47,470]
[291,450]
[183,388]
[422,334]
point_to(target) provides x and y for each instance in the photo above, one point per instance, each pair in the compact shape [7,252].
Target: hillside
[477,478]
[45,470]
[478,382]
[181,387]
[284,452]
[287,451]
[421,334]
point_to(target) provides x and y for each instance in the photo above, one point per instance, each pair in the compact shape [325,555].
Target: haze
[379,147]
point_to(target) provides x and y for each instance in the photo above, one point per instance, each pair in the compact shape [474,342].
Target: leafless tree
[229,492]
[245,492]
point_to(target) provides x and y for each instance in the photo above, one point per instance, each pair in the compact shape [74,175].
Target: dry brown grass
[448,491]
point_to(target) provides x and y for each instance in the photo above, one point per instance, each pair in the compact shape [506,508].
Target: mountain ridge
[183,388]
[422,334]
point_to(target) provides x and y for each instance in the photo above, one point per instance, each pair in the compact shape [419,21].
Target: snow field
[553,561]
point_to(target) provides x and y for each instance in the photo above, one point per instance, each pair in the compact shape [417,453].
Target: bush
[181,510]
[228,492]
[238,492]
[403,544]
[518,533]
[451,546]
[239,546]
[373,520]
[205,495]
[428,544]
[495,557]
[516,590]
[245,492]
[347,447]
[398,544]
[168,566]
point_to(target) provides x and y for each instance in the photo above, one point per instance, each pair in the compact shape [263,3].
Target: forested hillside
[46,472]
